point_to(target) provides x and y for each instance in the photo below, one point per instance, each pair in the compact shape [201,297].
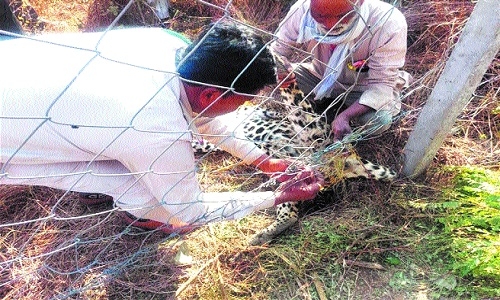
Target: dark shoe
[94,198]
[147,224]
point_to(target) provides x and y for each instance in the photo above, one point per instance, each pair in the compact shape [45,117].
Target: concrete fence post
[469,60]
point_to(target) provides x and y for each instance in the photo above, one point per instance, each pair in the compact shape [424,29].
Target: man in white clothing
[114,114]
[358,48]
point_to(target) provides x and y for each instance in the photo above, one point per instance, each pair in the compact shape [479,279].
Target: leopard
[300,133]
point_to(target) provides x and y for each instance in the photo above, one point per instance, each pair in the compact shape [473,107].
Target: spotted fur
[299,132]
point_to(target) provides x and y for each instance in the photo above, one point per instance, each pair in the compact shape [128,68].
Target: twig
[363,264]
[319,287]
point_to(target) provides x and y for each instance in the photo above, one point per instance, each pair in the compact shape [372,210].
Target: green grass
[472,223]
[462,235]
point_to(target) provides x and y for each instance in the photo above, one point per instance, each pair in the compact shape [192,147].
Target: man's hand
[304,186]
[340,125]
[286,79]
[272,166]
[277,168]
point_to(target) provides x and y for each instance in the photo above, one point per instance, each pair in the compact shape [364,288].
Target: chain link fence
[54,246]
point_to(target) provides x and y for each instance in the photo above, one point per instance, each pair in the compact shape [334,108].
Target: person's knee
[305,79]
[376,122]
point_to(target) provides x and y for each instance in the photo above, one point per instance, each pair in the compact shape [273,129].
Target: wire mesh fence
[105,113]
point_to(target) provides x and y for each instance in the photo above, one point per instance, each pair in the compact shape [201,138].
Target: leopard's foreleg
[287,214]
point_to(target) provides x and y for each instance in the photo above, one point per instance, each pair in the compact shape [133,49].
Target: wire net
[54,246]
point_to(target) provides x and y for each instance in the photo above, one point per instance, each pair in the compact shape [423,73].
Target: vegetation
[438,242]
[471,219]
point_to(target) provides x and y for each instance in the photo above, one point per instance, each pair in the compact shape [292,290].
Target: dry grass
[262,14]
[96,258]
[65,255]
[62,15]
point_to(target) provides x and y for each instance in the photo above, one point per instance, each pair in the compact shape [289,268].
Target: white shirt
[103,114]
[382,44]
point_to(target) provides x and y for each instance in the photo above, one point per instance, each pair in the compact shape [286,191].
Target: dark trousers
[8,21]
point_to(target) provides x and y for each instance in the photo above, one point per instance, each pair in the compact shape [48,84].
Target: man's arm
[179,198]
[224,135]
[219,133]
[303,186]
[384,62]
[387,57]
[287,34]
